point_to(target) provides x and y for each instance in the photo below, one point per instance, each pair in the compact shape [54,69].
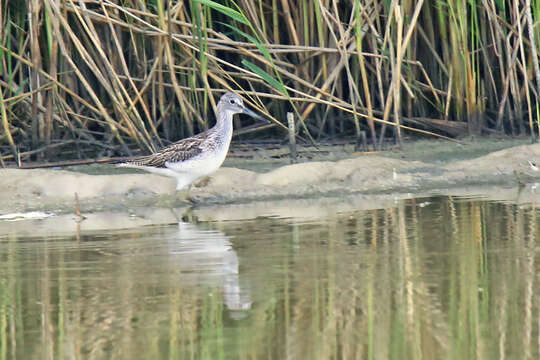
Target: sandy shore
[354,177]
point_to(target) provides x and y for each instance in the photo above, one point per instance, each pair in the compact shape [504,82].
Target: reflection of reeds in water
[428,278]
[89,300]
[428,284]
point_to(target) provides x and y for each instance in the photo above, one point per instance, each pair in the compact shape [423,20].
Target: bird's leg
[188,198]
[182,193]
[202,182]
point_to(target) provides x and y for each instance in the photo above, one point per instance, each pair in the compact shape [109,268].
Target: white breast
[209,161]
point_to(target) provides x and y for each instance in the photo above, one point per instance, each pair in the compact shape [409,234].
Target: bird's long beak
[253,114]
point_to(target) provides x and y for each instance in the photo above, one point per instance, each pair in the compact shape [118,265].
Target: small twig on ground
[76,162]
[78,209]
[36,151]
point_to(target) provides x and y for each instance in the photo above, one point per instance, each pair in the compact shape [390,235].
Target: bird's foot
[190,200]
[186,199]
[189,216]
[186,215]
[202,182]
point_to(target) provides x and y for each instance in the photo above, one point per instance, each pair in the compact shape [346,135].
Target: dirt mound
[46,189]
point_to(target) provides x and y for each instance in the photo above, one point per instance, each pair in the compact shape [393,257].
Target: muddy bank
[294,210]
[53,190]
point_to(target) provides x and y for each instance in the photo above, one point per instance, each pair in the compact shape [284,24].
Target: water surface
[437,278]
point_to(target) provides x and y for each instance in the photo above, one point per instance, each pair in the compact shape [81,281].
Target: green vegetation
[89,79]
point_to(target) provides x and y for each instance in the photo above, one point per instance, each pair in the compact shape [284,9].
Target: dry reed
[112,78]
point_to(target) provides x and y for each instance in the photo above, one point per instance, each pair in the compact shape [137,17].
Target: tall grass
[112,77]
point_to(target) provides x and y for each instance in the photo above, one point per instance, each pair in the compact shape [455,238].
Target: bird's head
[234,104]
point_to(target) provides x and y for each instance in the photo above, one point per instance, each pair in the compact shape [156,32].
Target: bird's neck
[224,119]
[224,124]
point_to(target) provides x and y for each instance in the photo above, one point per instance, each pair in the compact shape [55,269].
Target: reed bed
[84,78]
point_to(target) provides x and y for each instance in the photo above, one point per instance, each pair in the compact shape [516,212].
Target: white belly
[189,171]
[207,162]
[203,164]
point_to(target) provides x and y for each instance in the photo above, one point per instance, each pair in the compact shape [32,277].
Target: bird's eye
[232,101]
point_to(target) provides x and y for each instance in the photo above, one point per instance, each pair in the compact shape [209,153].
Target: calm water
[432,278]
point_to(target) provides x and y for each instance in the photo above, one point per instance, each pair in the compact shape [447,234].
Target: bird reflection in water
[209,258]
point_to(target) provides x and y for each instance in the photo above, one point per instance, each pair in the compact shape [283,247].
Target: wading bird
[193,158]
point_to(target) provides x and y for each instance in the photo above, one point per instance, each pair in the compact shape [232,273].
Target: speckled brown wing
[182,150]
